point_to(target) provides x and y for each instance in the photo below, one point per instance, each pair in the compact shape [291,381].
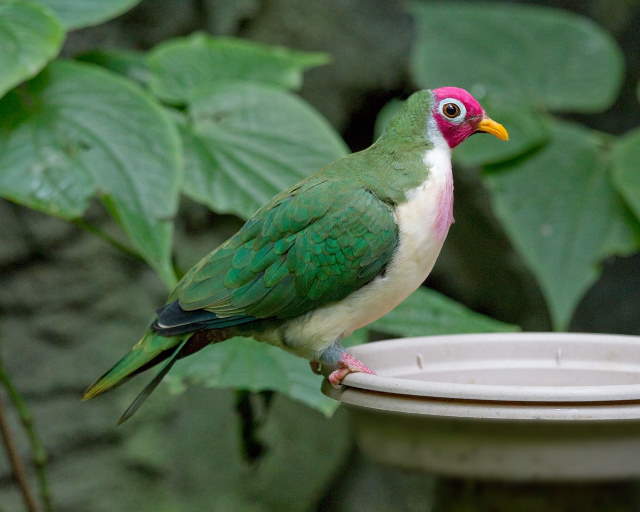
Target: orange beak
[488,125]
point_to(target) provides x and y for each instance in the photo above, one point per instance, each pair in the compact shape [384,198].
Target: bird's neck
[390,172]
[395,163]
[411,125]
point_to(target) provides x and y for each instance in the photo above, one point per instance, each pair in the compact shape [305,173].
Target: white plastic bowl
[516,406]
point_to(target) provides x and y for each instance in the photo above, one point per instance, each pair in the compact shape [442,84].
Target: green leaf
[245,142]
[84,13]
[247,364]
[131,64]
[626,165]
[29,37]
[76,131]
[302,450]
[527,130]
[526,54]
[562,214]
[183,68]
[427,312]
[386,114]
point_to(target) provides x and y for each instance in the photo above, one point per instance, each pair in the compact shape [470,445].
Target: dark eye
[451,110]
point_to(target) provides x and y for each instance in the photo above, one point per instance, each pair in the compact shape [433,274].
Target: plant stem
[16,463]
[252,446]
[90,228]
[38,453]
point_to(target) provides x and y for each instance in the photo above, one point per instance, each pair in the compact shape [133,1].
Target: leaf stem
[90,228]
[252,446]
[16,463]
[39,454]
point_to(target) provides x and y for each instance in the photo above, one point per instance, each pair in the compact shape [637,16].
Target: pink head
[459,115]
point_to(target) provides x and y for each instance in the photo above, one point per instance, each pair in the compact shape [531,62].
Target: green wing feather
[312,245]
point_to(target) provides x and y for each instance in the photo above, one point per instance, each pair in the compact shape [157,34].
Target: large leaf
[246,142]
[29,37]
[83,13]
[246,364]
[75,131]
[183,68]
[427,312]
[562,214]
[627,169]
[128,63]
[527,130]
[301,449]
[523,54]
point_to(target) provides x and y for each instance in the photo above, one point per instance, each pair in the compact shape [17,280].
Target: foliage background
[69,304]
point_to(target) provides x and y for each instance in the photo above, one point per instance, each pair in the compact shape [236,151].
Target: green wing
[313,244]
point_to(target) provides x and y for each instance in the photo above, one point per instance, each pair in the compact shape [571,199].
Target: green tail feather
[149,388]
[149,347]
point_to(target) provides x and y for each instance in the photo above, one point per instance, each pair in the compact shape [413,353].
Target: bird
[326,256]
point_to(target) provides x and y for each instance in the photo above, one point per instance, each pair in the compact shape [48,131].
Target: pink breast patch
[444,216]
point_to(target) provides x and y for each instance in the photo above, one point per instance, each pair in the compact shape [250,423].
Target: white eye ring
[462,110]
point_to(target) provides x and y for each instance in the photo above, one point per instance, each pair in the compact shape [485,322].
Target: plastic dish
[512,406]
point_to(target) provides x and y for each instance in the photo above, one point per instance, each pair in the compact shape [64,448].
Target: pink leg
[346,365]
[316,367]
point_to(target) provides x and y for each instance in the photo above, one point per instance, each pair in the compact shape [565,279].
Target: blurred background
[70,305]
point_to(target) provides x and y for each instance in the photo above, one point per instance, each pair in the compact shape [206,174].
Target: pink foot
[347,364]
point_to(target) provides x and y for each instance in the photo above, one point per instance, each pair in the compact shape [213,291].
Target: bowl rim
[475,410]
[586,342]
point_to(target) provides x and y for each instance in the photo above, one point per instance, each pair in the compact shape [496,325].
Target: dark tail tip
[149,388]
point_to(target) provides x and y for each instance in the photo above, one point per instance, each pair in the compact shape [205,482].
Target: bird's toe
[347,364]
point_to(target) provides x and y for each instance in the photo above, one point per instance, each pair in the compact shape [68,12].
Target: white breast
[423,223]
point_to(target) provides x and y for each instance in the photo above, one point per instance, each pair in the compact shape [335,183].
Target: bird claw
[336,376]
[347,364]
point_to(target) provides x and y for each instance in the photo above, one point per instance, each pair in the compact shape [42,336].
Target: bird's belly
[421,235]
[420,242]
